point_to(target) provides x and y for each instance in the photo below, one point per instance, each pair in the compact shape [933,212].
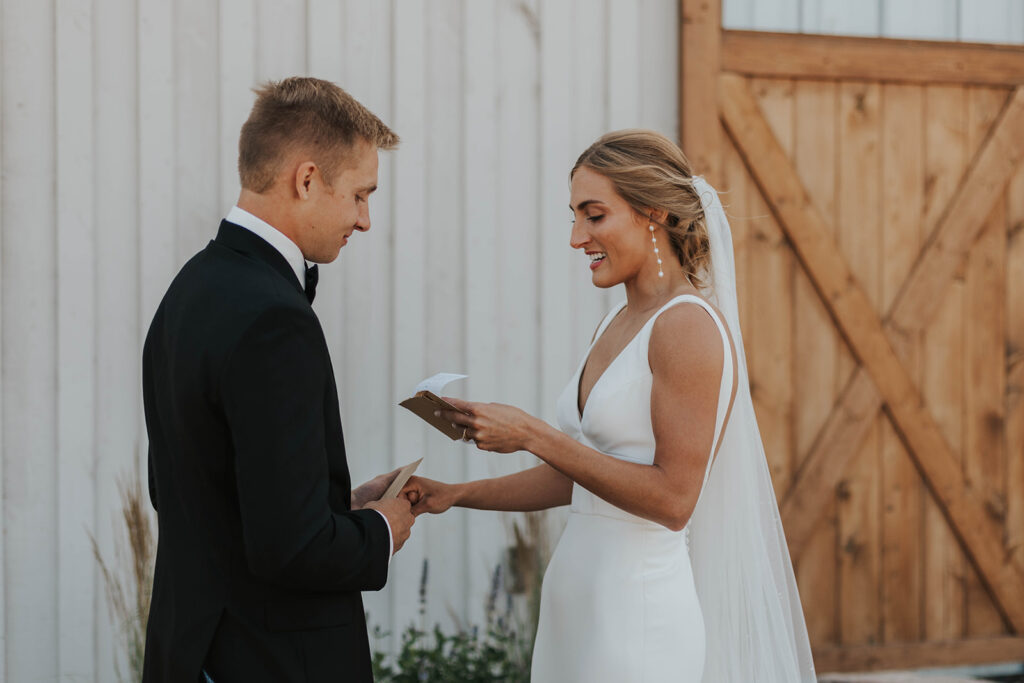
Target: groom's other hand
[372,490]
[400,518]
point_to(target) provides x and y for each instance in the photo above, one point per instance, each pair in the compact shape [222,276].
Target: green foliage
[499,652]
[463,657]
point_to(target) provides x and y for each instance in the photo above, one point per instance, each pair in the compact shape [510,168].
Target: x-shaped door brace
[881,378]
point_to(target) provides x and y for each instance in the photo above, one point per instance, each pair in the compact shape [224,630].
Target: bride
[673,565]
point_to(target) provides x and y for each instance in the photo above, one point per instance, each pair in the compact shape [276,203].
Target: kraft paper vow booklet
[400,479]
[426,400]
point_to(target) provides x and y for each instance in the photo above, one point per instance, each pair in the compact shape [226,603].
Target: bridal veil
[742,570]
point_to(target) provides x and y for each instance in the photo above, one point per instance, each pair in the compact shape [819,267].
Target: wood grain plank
[901,239]
[816,347]
[946,158]
[860,237]
[957,225]
[874,59]
[1014,354]
[736,192]
[769,338]
[699,55]
[952,653]
[76,380]
[984,383]
[862,328]
[848,423]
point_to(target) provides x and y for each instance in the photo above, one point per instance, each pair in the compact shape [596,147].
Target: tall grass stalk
[128,579]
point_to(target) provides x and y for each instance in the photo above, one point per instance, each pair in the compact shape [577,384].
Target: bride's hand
[493,426]
[427,495]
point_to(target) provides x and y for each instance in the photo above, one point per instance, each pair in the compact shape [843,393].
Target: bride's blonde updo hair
[650,172]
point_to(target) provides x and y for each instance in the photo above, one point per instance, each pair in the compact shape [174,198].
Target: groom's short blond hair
[309,115]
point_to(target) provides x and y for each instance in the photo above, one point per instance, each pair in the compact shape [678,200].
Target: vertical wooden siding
[118,133]
[119,124]
[883,566]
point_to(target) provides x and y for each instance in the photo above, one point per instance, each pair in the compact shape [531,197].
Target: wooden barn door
[876,196]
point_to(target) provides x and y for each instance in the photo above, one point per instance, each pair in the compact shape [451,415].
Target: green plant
[129,580]
[496,653]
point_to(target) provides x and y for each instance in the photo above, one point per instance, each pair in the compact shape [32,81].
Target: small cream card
[400,480]
[426,400]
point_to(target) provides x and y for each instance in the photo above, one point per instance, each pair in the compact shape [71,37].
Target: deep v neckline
[581,412]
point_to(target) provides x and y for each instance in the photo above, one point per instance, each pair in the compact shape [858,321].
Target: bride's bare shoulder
[685,336]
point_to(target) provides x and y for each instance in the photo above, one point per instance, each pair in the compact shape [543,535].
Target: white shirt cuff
[391,539]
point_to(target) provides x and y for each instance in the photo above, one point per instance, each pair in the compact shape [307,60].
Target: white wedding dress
[626,600]
[618,603]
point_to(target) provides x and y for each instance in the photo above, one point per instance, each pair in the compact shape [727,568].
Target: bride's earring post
[657,254]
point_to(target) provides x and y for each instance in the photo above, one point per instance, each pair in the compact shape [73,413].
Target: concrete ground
[893,678]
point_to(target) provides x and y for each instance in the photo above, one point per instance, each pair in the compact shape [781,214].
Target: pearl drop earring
[657,254]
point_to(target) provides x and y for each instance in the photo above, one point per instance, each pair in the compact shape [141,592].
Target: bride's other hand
[427,495]
[493,426]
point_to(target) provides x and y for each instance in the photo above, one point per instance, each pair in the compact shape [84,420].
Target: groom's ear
[304,175]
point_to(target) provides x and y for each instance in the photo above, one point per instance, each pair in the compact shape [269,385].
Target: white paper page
[436,384]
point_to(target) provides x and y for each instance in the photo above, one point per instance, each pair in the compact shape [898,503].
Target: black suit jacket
[260,560]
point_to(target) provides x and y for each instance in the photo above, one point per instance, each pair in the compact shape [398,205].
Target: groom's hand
[400,518]
[372,490]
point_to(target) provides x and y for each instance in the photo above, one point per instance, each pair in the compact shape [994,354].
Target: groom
[263,546]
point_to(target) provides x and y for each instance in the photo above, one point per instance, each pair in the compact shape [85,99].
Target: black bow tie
[312,276]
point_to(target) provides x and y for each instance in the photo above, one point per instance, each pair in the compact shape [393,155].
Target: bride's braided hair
[650,172]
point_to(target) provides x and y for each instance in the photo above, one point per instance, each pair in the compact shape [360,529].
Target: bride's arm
[686,358]
[537,488]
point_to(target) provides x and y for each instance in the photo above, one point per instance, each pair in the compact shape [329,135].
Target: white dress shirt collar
[274,237]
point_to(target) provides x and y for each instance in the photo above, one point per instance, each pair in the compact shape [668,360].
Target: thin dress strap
[725,388]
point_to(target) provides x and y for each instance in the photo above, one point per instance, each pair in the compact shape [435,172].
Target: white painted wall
[118,127]
[987,21]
